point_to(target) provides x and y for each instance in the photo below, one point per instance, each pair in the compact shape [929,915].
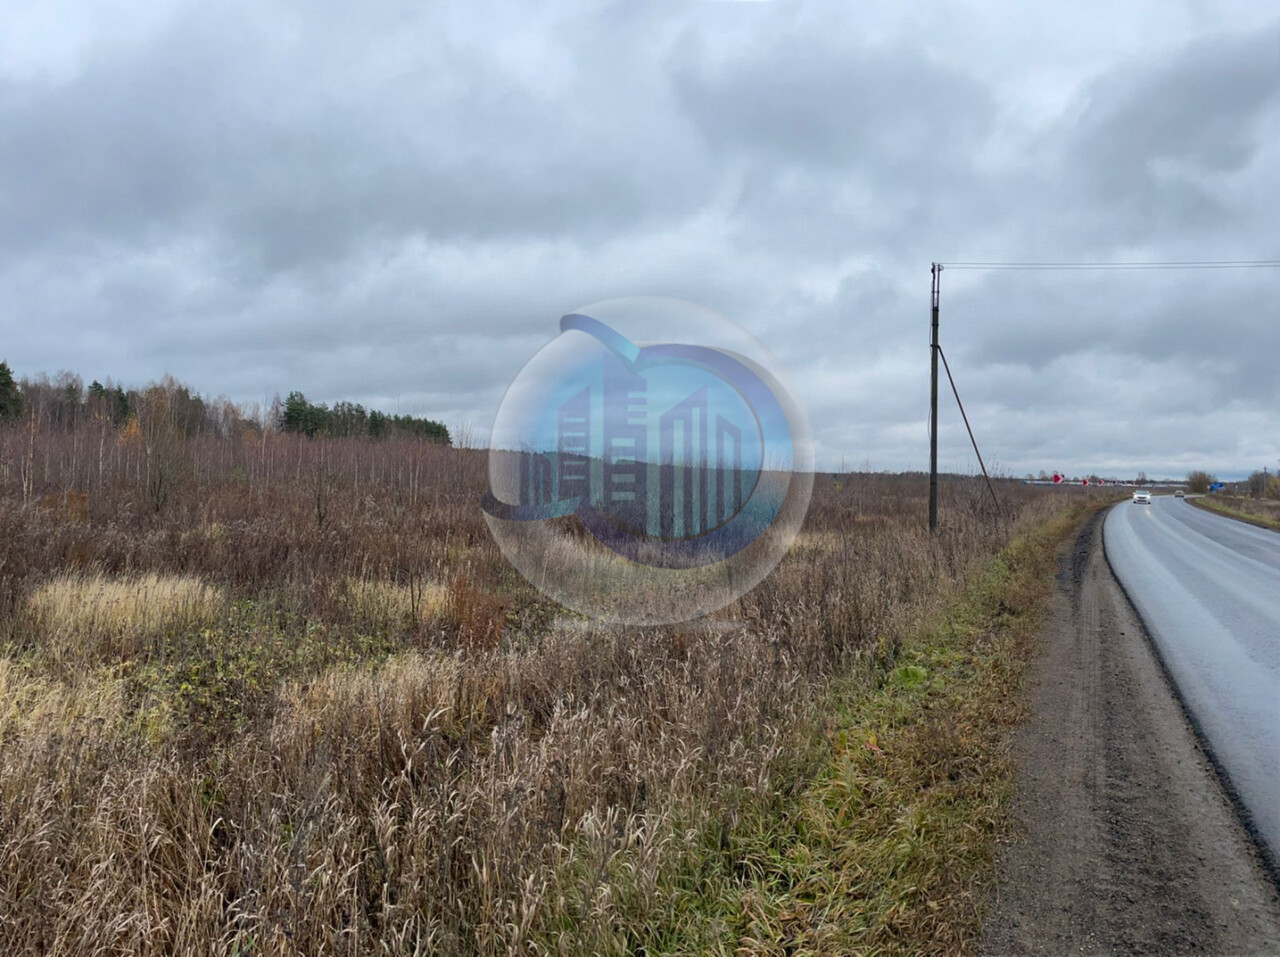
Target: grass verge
[888,848]
[1230,508]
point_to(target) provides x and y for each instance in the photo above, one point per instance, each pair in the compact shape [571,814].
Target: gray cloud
[807,101]
[395,205]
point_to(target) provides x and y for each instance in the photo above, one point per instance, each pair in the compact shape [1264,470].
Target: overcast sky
[394,204]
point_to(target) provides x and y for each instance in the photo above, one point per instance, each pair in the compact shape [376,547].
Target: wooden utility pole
[936,270]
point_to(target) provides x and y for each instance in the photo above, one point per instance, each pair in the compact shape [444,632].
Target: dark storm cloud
[395,206]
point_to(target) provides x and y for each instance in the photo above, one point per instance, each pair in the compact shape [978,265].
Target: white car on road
[1142,497]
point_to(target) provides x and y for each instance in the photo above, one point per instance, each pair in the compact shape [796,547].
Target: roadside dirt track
[1124,841]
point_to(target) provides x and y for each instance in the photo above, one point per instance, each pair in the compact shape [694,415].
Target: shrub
[1262,484]
[1199,480]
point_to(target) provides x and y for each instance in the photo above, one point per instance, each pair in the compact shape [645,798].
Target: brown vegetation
[1198,481]
[1263,512]
[235,721]
[70,505]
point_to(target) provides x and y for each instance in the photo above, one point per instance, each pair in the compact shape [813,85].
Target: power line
[936,349]
[1190,264]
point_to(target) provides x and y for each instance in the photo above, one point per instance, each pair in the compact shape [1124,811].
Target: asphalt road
[1208,590]
[1123,841]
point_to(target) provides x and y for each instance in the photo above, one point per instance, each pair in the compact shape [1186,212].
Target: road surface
[1208,590]
[1124,842]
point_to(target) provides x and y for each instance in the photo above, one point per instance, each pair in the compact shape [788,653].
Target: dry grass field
[302,705]
[1264,512]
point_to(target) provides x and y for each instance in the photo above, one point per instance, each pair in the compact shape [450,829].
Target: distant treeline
[347,419]
[65,402]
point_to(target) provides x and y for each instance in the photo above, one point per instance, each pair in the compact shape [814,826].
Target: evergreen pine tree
[10,397]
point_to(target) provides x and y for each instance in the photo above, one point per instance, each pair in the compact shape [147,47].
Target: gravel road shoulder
[1124,841]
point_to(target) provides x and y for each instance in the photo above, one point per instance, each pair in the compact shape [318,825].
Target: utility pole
[936,270]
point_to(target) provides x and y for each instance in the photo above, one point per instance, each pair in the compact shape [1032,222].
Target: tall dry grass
[383,603]
[89,618]
[413,752]
[33,705]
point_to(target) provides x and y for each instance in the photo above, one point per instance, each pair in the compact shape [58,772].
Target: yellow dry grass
[352,702]
[378,600]
[825,542]
[34,705]
[96,616]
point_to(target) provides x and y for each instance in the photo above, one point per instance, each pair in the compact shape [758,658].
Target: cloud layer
[395,205]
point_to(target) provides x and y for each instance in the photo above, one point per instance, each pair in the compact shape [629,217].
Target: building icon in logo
[601,456]
[667,454]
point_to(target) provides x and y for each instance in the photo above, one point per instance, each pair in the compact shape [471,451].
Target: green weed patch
[890,834]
